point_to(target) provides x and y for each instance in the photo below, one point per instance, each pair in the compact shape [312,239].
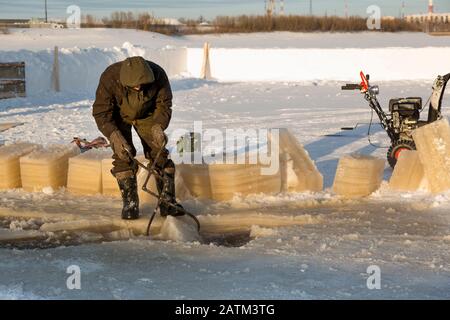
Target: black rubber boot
[167,186]
[128,189]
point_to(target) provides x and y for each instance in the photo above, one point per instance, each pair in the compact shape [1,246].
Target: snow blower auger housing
[404,113]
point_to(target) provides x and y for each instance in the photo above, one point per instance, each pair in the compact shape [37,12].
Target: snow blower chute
[404,113]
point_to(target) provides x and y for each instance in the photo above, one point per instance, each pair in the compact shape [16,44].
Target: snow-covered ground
[41,39]
[406,235]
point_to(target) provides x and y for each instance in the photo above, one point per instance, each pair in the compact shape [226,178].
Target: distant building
[11,23]
[431,16]
[205,26]
[170,22]
[40,23]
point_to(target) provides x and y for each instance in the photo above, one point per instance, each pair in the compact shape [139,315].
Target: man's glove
[159,139]
[120,146]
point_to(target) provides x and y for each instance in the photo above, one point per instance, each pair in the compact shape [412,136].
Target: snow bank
[239,58]
[321,64]
[80,69]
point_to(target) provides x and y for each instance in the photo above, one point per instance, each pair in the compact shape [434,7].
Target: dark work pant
[150,150]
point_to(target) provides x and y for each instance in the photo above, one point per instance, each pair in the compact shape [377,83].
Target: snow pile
[324,64]
[235,58]
[80,69]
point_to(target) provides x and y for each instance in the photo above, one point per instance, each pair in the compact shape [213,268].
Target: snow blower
[404,114]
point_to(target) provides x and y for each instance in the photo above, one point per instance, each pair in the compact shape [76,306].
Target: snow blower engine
[404,113]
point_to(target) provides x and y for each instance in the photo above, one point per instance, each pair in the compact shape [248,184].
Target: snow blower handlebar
[363,86]
[351,86]
[370,94]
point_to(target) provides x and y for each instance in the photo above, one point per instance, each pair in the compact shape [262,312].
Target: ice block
[433,144]
[85,172]
[46,167]
[408,173]
[358,175]
[109,182]
[299,171]
[10,165]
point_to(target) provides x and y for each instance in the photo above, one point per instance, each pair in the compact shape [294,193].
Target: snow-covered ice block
[358,175]
[299,173]
[85,172]
[408,173]
[433,144]
[179,229]
[10,165]
[46,167]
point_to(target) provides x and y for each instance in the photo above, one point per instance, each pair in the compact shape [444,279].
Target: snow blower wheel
[396,149]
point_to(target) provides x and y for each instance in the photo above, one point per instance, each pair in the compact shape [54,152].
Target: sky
[25,9]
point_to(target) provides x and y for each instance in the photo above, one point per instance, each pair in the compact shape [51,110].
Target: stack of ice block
[85,172]
[294,171]
[433,145]
[358,175]
[9,163]
[408,173]
[46,167]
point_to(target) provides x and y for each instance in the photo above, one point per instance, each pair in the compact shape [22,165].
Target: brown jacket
[110,92]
